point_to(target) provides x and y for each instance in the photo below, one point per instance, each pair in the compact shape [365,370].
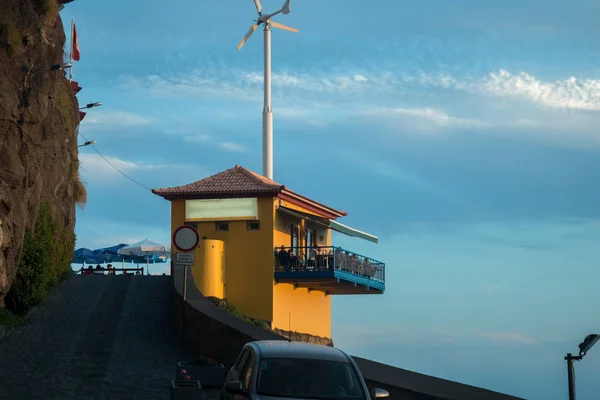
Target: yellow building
[268,250]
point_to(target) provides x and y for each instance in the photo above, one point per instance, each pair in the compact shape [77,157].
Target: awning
[331,224]
[336,226]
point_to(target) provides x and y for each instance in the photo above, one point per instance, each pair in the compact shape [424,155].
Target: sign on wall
[221,209]
[185,259]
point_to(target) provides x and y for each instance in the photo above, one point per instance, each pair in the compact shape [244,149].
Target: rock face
[38,127]
[304,337]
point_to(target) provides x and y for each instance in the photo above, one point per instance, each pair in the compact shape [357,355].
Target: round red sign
[186,238]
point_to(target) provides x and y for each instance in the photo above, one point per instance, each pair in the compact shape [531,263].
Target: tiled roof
[236,181]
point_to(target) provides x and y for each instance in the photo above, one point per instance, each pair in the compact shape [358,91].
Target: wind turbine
[267,115]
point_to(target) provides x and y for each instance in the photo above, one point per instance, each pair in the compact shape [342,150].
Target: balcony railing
[327,258]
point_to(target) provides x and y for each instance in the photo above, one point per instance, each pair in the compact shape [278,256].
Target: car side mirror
[234,387]
[379,393]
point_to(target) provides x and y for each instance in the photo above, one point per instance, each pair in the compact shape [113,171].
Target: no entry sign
[186,238]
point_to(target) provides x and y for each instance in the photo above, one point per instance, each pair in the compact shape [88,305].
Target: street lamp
[584,347]
[91,105]
[58,67]
[87,143]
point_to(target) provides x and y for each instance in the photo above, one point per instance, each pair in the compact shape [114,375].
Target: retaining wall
[213,332]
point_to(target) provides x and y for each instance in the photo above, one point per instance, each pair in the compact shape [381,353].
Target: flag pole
[71,51]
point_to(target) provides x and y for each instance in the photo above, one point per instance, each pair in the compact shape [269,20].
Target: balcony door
[294,234]
[310,240]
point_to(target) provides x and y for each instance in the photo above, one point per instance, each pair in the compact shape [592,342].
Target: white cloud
[206,140]
[511,101]
[316,82]
[115,118]
[436,117]
[95,168]
[233,147]
[199,138]
[571,93]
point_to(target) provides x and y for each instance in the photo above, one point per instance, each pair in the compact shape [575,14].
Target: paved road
[96,337]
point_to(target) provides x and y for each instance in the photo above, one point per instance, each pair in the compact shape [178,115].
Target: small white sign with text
[184,259]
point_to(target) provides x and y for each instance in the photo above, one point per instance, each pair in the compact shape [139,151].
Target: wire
[112,165]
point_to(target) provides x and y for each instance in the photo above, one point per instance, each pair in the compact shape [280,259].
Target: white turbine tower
[267,115]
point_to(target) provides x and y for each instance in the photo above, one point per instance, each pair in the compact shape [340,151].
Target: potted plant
[204,369]
[185,389]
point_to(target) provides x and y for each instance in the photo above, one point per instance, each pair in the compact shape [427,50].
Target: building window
[221,226]
[253,225]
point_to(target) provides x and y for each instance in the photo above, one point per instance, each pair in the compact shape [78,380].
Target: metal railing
[327,258]
[110,271]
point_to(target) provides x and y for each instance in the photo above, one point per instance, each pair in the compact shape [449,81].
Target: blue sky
[463,134]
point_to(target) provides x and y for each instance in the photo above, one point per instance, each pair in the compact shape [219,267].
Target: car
[295,370]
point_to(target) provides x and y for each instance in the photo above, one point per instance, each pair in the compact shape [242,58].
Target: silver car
[295,370]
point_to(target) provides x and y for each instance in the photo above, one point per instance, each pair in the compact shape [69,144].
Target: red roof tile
[236,181]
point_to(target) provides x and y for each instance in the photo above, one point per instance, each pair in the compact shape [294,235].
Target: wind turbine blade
[250,32]
[286,7]
[258,6]
[281,26]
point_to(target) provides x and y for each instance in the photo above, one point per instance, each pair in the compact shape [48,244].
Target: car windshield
[308,379]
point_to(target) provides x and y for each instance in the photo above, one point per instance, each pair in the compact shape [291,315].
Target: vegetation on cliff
[45,262]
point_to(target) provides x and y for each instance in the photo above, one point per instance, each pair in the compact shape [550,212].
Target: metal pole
[185,269]
[71,51]
[267,110]
[571,374]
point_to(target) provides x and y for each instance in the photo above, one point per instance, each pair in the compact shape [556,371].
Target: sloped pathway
[96,337]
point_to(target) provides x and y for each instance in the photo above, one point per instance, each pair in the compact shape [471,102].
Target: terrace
[329,269]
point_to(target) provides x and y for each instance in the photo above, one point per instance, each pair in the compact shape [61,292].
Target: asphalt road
[96,337]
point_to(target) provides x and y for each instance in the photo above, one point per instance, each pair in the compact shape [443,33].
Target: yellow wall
[310,312]
[209,271]
[249,258]
[249,268]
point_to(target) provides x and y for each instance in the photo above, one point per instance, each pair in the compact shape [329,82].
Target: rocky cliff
[38,129]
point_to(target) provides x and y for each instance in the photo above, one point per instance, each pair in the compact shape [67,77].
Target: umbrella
[111,254]
[145,248]
[84,255]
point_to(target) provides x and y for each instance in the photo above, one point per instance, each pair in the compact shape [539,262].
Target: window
[303,378]
[246,373]
[241,361]
[221,226]
[253,225]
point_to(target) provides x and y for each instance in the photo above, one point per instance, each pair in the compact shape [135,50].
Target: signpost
[185,239]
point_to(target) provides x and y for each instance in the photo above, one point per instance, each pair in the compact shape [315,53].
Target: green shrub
[9,319]
[237,313]
[27,40]
[45,262]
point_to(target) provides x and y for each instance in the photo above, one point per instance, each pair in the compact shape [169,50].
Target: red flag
[81,115]
[75,54]
[75,86]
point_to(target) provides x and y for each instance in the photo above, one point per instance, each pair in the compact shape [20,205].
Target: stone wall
[210,331]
